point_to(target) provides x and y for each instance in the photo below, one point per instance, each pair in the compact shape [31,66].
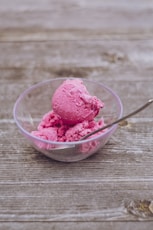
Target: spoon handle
[119,120]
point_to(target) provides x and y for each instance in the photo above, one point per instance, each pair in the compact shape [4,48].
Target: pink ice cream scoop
[72,117]
[74,104]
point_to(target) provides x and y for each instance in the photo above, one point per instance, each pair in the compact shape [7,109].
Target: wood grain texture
[81,226]
[114,188]
[75,19]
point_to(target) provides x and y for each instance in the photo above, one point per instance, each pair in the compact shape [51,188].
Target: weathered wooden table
[108,41]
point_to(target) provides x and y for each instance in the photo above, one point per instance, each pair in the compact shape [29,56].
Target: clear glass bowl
[34,102]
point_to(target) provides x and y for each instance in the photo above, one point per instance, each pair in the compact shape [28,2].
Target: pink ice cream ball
[73,102]
[79,130]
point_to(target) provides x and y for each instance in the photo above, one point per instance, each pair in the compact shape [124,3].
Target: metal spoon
[69,153]
[119,120]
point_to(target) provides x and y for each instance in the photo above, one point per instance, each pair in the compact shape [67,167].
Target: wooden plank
[105,60]
[76,226]
[52,20]
[79,53]
[17,5]
[76,202]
